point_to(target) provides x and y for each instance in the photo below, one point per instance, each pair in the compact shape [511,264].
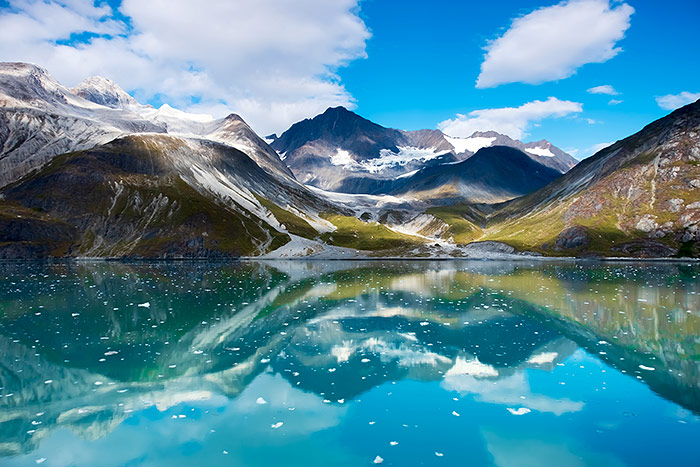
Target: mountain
[494,174]
[84,179]
[639,197]
[91,172]
[340,151]
[541,151]
[40,118]
[156,195]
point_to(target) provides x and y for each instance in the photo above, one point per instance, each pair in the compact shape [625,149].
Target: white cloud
[597,147]
[273,62]
[551,43]
[674,101]
[604,89]
[511,121]
[614,102]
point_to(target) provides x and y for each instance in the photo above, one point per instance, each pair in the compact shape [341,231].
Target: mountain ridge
[339,150]
[104,176]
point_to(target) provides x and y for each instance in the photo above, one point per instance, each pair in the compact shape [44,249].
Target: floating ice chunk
[274,426]
[519,411]
[378,460]
[260,401]
[439,454]
[145,305]
[40,460]
[648,368]
[111,352]
[393,443]
[48,381]
[455,413]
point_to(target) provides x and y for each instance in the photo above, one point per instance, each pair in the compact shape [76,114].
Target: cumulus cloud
[511,121]
[674,101]
[604,89]
[273,62]
[551,43]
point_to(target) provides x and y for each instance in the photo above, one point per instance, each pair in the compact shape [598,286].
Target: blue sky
[423,63]
[408,64]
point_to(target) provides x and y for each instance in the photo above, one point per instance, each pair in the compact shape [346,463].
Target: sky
[579,73]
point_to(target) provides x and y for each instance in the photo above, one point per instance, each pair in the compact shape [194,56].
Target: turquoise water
[349,363]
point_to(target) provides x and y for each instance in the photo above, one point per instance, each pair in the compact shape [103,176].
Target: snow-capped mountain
[83,178]
[341,151]
[40,118]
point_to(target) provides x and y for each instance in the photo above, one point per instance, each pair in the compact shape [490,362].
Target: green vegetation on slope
[371,236]
[293,223]
[461,229]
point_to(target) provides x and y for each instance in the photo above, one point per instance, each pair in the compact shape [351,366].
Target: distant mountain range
[89,171]
[341,151]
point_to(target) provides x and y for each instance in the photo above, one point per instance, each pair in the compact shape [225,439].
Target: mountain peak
[21,68]
[338,110]
[104,91]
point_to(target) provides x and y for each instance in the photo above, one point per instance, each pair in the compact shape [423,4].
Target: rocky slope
[639,197]
[341,151]
[160,196]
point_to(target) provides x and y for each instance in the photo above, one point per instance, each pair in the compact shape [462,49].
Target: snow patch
[540,151]
[472,144]
[387,159]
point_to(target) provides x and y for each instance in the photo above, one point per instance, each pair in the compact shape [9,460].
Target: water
[349,363]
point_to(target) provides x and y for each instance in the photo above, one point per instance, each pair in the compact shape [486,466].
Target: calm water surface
[349,363]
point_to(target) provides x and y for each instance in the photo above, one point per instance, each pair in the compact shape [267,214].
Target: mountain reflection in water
[345,363]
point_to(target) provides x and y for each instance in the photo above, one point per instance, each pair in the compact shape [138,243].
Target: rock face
[636,197]
[341,151]
[572,238]
[30,234]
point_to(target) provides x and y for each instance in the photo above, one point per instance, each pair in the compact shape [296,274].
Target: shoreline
[504,258]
